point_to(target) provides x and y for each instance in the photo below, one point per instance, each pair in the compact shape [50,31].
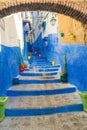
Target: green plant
[20,55]
[64,72]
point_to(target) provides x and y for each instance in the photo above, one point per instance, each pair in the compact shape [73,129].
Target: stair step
[44,111]
[47,66]
[38,77]
[24,102]
[38,74]
[39,81]
[43,70]
[40,92]
[31,87]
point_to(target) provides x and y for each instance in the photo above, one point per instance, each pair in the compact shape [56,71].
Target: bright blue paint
[26,30]
[39,81]
[77,65]
[44,25]
[50,51]
[48,70]
[38,74]
[44,111]
[40,92]
[9,61]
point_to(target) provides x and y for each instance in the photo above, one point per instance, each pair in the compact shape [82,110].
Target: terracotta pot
[25,66]
[85,26]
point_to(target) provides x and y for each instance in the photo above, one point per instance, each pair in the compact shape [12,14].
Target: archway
[75,9]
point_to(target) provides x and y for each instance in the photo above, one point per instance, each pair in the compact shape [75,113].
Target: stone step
[47,66]
[36,81]
[43,69]
[38,77]
[39,92]
[29,87]
[38,74]
[44,111]
[43,101]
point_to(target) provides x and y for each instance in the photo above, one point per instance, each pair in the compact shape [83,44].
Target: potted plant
[3,101]
[25,65]
[83,96]
[72,36]
[64,72]
[21,66]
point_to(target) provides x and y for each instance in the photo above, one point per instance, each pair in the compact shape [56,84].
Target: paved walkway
[67,121]
[42,105]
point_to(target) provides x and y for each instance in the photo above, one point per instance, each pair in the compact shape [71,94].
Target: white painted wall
[39,18]
[13,30]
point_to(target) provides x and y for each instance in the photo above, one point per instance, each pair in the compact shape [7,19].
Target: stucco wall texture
[67,25]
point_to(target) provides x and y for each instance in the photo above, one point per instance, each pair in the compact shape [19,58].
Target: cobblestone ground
[64,121]
[68,121]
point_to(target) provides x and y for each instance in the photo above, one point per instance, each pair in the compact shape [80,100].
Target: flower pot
[25,65]
[3,101]
[85,26]
[83,96]
[53,63]
[29,57]
[61,34]
[21,69]
[15,81]
[63,77]
[72,36]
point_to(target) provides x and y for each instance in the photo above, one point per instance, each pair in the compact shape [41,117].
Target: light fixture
[53,20]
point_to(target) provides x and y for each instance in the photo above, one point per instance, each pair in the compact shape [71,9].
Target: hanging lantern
[53,63]
[72,36]
[61,34]
[53,20]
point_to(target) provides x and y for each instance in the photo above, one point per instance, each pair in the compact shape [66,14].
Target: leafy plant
[64,72]
[20,55]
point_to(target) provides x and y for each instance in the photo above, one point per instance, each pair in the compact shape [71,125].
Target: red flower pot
[21,69]
[85,26]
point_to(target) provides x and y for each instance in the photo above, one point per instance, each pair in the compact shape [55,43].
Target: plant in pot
[21,66]
[64,72]
[26,65]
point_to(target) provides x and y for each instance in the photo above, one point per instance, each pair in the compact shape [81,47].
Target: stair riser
[44,111]
[38,74]
[40,92]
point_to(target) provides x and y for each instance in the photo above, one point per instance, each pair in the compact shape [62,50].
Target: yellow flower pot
[53,63]
[29,57]
[72,36]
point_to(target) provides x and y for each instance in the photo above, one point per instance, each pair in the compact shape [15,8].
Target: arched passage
[75,9]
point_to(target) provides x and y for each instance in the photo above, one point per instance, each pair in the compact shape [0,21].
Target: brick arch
[76,9]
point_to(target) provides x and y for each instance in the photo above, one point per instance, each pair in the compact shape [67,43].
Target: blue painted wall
[49,51]
[76,58]
[26,29]
[9,67]
[77,65]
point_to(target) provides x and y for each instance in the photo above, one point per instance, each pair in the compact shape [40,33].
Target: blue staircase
[39,91]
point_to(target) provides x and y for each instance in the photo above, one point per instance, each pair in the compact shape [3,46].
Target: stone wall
[69,26]
[75,8]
